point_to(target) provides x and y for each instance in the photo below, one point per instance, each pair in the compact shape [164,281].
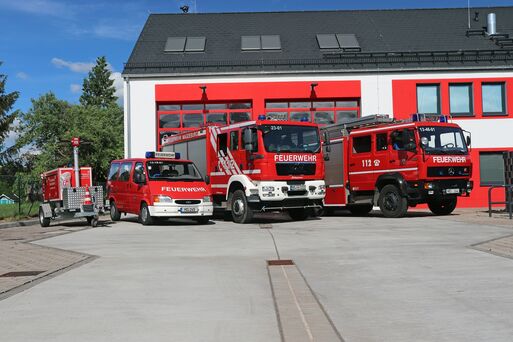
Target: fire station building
[190,70]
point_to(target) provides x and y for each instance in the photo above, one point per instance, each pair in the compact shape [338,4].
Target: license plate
[452,191]
[297,187]
[188,210]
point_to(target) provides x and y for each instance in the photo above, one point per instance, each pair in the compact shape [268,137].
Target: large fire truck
[258,166]
[376,160]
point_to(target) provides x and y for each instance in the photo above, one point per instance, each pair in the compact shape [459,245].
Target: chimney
[491,27]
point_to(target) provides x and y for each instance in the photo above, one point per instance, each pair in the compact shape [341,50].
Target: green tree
[98,87]
[7,101]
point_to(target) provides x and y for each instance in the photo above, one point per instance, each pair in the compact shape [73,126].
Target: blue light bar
[149,154]
[168,155]
[261,117]
[443,118]
[415,117]
[304,119]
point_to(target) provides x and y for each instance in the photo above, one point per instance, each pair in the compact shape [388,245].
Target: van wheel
[241,212]
[144,215]
[391,203]
[298,214]
[444,206]
[115,215]
[359,209]
[43,221]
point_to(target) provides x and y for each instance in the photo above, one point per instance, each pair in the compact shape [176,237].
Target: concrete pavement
[410,279]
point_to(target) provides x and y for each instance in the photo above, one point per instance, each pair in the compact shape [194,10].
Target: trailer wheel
[145,216]
[299,214]
[359,209]
[115,215]
[444,206]
[241,212]
[43,221]
[391,203]
[92,221]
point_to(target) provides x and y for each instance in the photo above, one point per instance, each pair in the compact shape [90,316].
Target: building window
[491,168]
[178,117]
[428,98]
[494,99]
[460,99]
[321,112]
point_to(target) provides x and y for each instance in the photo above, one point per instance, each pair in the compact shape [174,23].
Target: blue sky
[49,45]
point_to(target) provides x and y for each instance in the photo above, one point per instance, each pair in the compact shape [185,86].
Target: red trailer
[68,193]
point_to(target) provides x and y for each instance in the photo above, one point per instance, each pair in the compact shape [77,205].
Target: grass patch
[11,212]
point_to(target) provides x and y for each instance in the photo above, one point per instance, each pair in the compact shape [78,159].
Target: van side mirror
[467,140]
[326,139]
[207,180]
[140,178]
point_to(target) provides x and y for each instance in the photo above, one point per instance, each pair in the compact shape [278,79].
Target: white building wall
[376,98]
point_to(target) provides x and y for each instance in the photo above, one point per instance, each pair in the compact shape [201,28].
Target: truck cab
[397,165]
[159,186]
[259,166]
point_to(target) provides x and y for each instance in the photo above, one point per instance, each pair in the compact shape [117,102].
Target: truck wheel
[360,209]
[43,221]
[299,214]
[144,215]
[444,206]
[202,219]
[115,215]
[241,212]
[391,203]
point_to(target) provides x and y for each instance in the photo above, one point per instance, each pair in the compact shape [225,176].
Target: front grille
[190,202]
[285,169]
[448,171]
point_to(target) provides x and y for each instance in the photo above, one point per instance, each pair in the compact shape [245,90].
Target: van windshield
[288,138]
[442,140]
[172,171]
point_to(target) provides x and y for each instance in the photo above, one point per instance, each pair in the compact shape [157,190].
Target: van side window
[124,173]
[234,140]
[222,142]
[138,169]
[113,172]
[381,142]
[362,144]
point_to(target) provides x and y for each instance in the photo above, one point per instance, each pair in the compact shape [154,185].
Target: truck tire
[145,216]
[115,215]
[299,214]
[444,206]
[241,212]
[391,203]
[43,221]
[359,209]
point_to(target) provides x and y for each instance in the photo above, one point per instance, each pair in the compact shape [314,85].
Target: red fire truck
[396,164]
[258,166]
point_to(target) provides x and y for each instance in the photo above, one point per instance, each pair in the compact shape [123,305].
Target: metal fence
[19,196]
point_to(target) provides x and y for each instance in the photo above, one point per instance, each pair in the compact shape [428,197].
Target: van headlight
[207,199]
[162,199]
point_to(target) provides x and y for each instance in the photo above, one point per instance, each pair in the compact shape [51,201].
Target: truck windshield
[442,140]
[172,171]
[287,138]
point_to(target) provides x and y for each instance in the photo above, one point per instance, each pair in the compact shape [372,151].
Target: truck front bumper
[424,191]
[179,210]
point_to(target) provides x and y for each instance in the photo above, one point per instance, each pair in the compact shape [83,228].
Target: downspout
[128,120]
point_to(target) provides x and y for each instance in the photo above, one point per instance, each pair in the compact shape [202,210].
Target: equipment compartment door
[361,167]
[335,174]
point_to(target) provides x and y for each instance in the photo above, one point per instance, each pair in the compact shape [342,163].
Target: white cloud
[22,75]
[120,31]
[75,88]
[80,67]
[12,135]
[118,84]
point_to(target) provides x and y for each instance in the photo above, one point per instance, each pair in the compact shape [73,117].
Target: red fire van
[159,186]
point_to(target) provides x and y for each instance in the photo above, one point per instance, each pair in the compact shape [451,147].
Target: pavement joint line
[477,246]
[275,245]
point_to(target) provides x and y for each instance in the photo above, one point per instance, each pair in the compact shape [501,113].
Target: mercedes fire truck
[258,166]
[376,160]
